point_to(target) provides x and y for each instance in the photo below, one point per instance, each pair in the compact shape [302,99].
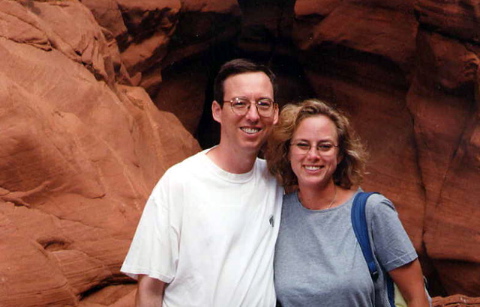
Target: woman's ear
[340,158]
[217,111]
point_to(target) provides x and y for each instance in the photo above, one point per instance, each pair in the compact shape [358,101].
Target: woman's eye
[325,147]
[303,146]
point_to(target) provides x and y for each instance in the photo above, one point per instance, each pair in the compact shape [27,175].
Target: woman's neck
[316,198]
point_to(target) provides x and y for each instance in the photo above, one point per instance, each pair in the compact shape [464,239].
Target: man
[208,231]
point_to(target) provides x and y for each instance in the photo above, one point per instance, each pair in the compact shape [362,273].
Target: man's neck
[231,160]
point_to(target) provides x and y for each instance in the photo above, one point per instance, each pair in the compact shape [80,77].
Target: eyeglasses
[323,148]
[240,106]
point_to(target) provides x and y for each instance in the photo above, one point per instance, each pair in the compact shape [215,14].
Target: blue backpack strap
[360,227]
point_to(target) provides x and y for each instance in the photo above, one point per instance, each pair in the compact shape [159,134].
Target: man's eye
[239,104]
[264,103]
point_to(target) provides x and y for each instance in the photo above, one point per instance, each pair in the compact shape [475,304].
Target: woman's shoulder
[290,197]
[379,200]
[379,207]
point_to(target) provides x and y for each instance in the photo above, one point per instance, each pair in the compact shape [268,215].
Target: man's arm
[149,292]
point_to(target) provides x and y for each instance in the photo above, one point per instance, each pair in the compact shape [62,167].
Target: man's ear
[217,111]
[275,116]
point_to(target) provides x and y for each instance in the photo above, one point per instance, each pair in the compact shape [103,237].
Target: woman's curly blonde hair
[349,171]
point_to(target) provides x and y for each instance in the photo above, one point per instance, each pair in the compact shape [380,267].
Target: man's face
[245,133]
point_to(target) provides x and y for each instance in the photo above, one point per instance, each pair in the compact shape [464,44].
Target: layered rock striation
[80,150]
[100,97]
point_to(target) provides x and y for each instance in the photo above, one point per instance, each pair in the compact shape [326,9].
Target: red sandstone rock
[21,26]
[177,94]
[446,121]
[30,275]
[371,29]
[150,25]
[113,296]
[363,48]
[108,15]
[421,121]
[454,18]
[216,6]
[455,301]
[79,155]
[310,8]
[179,85]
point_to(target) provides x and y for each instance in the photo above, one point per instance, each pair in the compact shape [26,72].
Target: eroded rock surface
[79,154]
[408,78]
[82,143]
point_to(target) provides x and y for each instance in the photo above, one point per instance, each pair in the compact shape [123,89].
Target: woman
[318,261]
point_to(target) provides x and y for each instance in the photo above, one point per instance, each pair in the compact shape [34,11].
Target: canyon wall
[81,147]
[100,97]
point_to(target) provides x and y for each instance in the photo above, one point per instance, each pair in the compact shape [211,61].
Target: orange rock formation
[82,143]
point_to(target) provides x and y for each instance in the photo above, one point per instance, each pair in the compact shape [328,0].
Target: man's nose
[252,113]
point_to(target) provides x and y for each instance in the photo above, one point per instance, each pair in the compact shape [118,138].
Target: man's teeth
[251,130]
[312,168]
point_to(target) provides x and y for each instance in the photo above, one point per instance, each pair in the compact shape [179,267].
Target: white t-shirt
[210,235]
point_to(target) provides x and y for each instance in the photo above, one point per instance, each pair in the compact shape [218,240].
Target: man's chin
[253,147]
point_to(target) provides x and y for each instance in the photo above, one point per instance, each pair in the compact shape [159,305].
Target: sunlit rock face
[80,150]
[100,97]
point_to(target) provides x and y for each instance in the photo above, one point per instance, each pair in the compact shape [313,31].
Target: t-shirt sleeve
[391,243]
[154,249]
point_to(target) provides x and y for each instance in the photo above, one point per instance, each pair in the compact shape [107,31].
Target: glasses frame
[256,102]
[317,148]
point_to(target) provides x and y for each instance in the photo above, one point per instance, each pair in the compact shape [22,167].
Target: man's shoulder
[262,169]
[183,169]
[261,162]
[187,164]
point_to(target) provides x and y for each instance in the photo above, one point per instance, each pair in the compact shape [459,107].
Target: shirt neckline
[346,203]
[219,172]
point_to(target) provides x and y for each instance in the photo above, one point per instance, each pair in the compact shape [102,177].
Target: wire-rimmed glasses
[241,106]
[303,147]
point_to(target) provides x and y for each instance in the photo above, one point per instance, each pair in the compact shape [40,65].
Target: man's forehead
[246,74]
[259,78]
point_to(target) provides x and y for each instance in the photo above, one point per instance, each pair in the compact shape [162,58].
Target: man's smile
[250,130]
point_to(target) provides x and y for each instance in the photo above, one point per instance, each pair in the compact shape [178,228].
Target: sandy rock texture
[80,150]
[407,72]
[100,97]
[455,301]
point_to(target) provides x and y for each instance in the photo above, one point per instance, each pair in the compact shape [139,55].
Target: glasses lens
[325,147]
[300,148]
[240,106]
[265,107]
[304,148]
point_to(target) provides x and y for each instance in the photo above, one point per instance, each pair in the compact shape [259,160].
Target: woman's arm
[409,280]
[149,292]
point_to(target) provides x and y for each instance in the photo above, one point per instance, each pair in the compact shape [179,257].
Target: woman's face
[314,152]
